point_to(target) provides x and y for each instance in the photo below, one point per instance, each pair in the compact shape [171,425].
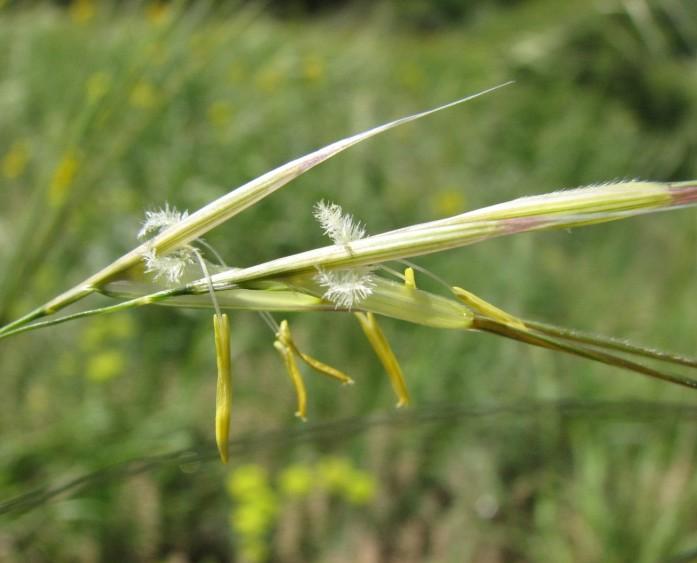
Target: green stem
[80,291]
[137,302]
[610,343]
[71,296]
[489,325]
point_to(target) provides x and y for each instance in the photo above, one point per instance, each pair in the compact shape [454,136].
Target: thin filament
[207,275]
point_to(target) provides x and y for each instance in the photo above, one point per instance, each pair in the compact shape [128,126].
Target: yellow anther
[323,368]
[223,395]
[409,279]
[283,335]
[294,374]
[287,348]
[63,178]
[286,338]
[487,309]
[284,344]
[389,361]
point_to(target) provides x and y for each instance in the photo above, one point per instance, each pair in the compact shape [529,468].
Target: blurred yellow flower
[361,488]
[249,520]
[313,68]
[15,160]
[255,515]
[448,202]
[340,477]
[63,178]
[256,507]
[105,365]
[247,480]
[268,80]
[157,12]
[260,504]
[143,96]
[296,480]
[220,114]
[334,473]
[82,11]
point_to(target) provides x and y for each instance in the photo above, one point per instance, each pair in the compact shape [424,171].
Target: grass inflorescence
[169,106]
[344,274]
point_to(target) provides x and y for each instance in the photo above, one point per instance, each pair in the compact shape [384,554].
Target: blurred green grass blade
[337,431]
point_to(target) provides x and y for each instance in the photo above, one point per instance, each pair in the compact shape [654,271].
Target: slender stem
[80,291]
[270,321]
[610,343]
[489,325]
[71,296]
[211,290]
[212,250]
[137,302]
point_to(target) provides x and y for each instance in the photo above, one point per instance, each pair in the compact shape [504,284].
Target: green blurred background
[509,454]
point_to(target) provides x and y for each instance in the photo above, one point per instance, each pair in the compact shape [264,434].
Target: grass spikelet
[216,212]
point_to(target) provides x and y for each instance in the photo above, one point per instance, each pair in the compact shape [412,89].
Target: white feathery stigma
[172,265]
[336,224]
[345,288]
[160,219]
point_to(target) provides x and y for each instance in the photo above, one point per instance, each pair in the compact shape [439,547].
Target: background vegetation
[509,453]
